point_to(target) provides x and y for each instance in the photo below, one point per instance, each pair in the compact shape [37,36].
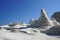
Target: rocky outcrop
[56,16]
[43,21]
[49,26]
[55,28]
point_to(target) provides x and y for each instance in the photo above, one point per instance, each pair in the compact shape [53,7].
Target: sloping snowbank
[7,35]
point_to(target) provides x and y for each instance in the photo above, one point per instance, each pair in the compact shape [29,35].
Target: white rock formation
[54,29]
[43,21]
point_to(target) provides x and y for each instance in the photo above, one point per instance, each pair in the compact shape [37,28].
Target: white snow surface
[30,35]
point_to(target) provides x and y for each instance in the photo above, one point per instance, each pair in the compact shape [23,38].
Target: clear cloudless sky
[23,10]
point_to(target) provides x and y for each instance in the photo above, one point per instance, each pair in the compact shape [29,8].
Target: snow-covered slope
[7,35]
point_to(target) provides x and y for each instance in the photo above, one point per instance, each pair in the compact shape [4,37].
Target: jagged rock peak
[43,19]
[43,12]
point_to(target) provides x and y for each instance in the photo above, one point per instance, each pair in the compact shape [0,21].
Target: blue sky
[23,10]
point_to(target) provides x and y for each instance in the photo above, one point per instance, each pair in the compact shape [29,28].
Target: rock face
[56,16]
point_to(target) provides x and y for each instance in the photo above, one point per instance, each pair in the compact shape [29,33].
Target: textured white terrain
[7,35]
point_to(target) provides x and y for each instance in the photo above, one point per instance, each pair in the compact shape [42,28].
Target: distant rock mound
[56,16]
